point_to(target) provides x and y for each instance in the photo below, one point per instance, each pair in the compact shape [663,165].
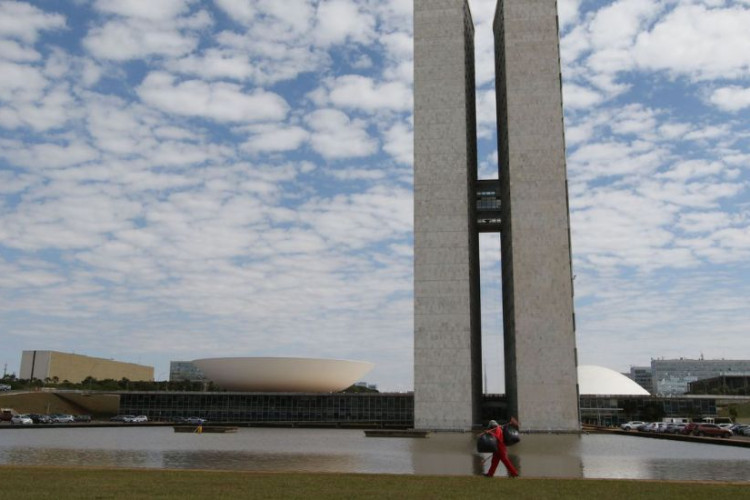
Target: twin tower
[527,205]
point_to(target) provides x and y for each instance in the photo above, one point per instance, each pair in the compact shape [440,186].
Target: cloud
[163,10]
[123,39]
[399,143]
[335,136]
[578,96]
[42,156]
[733,98]
[338,21]
[360,92]
[698,41]
[272,138]
[24,22]
[223,102]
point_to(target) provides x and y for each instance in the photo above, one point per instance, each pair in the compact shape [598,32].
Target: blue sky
[188,178]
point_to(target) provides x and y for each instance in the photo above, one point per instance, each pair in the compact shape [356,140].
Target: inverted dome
[600,381]
[253,374]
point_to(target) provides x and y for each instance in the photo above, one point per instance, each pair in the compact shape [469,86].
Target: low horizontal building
[61,366]
[341,409]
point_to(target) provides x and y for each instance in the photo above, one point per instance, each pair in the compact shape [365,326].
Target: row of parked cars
[130,419]
[690,428]
[55,418]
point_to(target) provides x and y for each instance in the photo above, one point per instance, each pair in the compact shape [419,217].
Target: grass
[62,483]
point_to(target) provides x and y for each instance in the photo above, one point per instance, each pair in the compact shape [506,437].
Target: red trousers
[501,455]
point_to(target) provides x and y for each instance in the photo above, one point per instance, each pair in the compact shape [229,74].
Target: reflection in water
[323,450]
[548,455]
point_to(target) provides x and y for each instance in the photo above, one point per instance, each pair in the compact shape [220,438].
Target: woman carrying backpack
[501,455]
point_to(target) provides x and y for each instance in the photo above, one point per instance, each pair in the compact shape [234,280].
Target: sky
[202,178]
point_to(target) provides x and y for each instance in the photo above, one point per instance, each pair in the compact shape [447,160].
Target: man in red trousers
[501,455]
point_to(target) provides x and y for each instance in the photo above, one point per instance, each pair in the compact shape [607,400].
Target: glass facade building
[612,411]
[673,376]
[354,409]
[389,410]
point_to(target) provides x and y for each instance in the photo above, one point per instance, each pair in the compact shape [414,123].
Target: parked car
[62,418]
[746,430]
[5,387]
[673,428]
[136,420]
[689,428]
[653,427]
[121,418]
[21,420]
[38,418]
[82,418]
[191,420]
[736,428]
[712,430]
[632,425]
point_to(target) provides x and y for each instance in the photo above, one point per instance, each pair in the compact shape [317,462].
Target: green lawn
[63,483]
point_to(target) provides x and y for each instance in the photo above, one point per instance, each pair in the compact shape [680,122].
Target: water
[317,450]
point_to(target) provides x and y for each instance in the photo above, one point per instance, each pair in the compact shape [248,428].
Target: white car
[632,425]
[137,420]
[21,420]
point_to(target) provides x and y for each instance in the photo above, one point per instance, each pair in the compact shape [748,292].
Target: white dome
[600,381]
[252,374]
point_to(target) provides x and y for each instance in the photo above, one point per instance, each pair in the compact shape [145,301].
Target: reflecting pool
[335,450]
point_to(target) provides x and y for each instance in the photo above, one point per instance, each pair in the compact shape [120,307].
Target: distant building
[736,385]
[642,376]
[76,368]
[673,376]
[185,371]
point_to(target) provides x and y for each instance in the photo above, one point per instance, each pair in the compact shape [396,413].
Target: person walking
[501,455]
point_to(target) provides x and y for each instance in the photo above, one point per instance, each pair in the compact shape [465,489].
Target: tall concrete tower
[539,326]
[528,206]
[447,335]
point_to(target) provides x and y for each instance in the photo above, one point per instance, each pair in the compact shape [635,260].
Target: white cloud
[272,138]
[567,12]
[163,10]
[698,41]
[129,38]
[577,96]
[43,156]
[219,101]
[693,169]
[334,135]
[399,143]
[216,64]
[24,21]
[703,222]
[733,98]
[359,92]
[14,51]
[361,219]
[338,21]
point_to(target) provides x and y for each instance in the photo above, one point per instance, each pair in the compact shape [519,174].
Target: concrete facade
[539,326]
[76,368]
[539,332]
[447,336]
